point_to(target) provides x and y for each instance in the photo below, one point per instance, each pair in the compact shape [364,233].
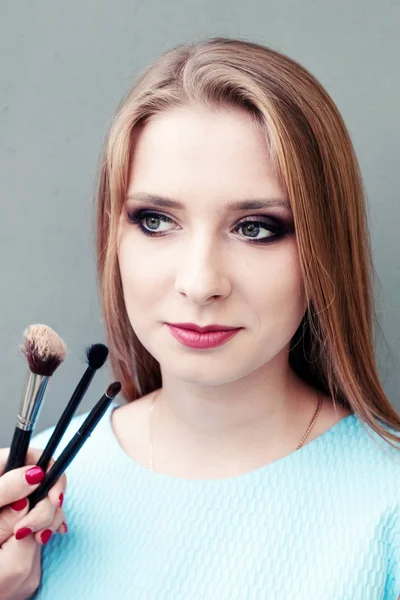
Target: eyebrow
[164,202]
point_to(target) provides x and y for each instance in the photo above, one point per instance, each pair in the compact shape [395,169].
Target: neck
[264,411]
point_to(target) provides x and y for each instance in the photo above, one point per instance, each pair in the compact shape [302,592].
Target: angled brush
[73,447]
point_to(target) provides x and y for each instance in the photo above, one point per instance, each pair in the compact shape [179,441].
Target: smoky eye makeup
[255,229]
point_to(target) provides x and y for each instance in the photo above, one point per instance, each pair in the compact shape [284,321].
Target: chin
[206,371]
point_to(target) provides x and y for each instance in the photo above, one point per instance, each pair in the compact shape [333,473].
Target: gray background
[64,67]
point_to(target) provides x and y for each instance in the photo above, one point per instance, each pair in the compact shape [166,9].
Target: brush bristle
[113,389]
[44,349]
[96,356]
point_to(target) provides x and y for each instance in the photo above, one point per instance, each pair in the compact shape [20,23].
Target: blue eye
[151,220]
[254,228]
[149,223]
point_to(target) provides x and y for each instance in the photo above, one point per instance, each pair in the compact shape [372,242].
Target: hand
[22,533]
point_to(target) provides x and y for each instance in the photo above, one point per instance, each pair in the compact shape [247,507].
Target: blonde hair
[315,163]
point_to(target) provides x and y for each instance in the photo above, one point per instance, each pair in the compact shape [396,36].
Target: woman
[260,460]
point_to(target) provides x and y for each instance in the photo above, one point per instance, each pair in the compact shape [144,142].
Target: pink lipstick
[193,336]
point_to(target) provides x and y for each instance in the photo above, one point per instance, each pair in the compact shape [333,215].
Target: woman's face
[205,261]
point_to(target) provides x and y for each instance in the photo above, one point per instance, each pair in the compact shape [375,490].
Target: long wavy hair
[315,162]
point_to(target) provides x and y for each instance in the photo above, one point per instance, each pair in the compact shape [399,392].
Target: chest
[252,544]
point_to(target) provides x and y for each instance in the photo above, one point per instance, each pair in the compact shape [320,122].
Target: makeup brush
[45,351]
[96,357]
[73,447]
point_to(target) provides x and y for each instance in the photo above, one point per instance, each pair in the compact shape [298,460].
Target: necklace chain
[151,445]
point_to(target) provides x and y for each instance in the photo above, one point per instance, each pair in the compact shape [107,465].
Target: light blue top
[319,524]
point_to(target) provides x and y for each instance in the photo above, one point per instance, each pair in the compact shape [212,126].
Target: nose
[201,276]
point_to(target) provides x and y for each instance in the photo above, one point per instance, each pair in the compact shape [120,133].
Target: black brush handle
[70,451]
[18,449]
[65,418]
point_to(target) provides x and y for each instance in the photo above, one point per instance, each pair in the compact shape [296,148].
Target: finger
[32,457]
[10,516]
[43,536]
[40,517]
[23,559]
[63,528]
[29,476]
[14,488]
[15,513]
[19,483]
[56,493]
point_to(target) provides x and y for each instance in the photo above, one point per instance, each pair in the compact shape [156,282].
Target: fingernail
[34,475]
[19,504]
[22,533]
[61,499]
[46,535]
[65,526]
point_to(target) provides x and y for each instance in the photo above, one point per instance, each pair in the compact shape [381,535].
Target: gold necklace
[151,447]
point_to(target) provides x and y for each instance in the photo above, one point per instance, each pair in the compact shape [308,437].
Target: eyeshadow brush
[96,356]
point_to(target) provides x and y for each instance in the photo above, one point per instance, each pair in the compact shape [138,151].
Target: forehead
[220,151]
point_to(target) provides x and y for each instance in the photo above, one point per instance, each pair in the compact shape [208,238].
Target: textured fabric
[321,523]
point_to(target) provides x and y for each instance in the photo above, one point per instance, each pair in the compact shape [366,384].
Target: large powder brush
[44,351]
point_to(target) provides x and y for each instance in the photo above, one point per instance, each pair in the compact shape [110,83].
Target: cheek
[138,286]
[138,274]
[280,296]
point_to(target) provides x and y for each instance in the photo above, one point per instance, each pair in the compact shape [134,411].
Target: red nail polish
[22,533]
[19,504]
[34,475]
[65,526]
[61,499]
[46,535]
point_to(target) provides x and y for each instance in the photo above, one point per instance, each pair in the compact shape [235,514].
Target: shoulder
[389,484]
[364,467]
[367,469]
[379,459]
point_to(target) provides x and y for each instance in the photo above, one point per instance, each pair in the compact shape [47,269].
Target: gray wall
[64,68]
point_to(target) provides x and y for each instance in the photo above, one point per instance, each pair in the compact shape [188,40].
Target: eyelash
[136,217]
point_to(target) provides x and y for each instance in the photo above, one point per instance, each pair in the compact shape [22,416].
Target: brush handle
[18,449]
[66,418]
[70,451]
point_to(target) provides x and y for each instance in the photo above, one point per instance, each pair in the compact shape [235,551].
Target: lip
[202,340]
[207,328]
